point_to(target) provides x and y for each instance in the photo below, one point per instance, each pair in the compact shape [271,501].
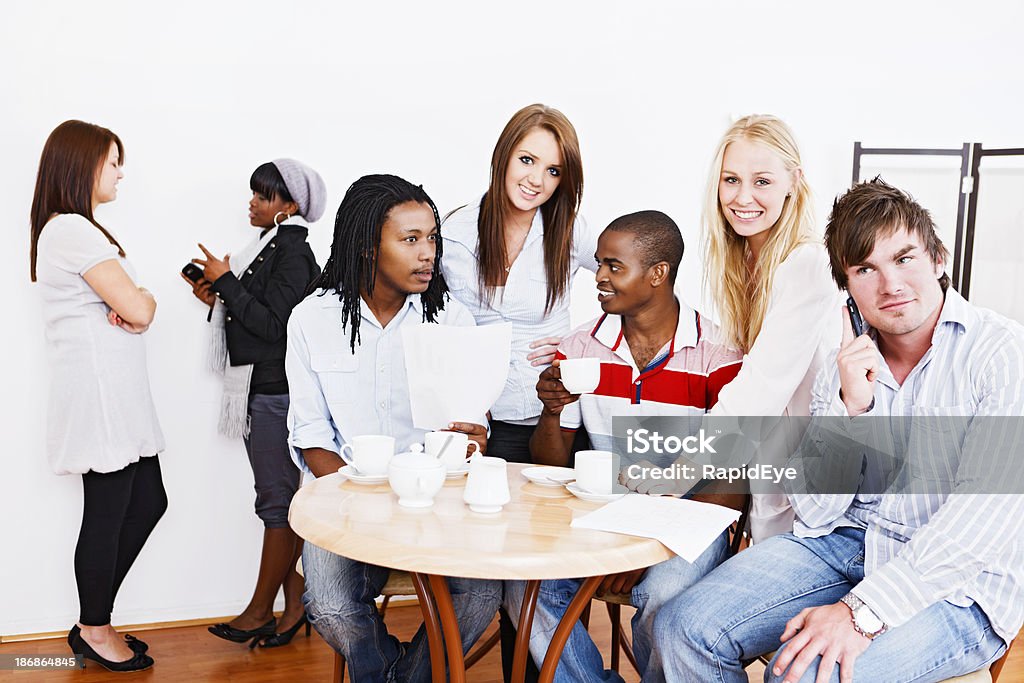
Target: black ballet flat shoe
[138,646]
[138,662]
[237,635]
[285,637]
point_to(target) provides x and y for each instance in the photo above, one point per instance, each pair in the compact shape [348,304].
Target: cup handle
[475,448]
[351,461]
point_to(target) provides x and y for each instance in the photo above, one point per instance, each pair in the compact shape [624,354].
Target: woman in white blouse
[510,257]
[101,422]
[768,275]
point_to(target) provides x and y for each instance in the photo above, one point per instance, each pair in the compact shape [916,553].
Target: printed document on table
[686,527]
[456,373]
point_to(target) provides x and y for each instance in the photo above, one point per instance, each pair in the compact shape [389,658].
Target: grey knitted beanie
[305,186]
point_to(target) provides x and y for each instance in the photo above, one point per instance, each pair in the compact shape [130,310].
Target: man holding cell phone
[886,586]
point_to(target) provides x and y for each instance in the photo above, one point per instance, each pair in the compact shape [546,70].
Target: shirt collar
[955,311]
[412,302]
[330,299]
[608,329]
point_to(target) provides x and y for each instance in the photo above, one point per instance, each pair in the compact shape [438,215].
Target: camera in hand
[192,272]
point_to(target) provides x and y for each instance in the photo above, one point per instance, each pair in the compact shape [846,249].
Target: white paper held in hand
[686,527]
[455,373]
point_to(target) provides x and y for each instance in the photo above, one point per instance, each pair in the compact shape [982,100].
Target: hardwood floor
[190,654]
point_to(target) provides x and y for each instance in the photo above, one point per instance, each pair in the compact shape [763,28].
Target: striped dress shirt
[956,543]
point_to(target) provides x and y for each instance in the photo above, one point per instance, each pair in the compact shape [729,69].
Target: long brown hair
[68,167]
[559,212]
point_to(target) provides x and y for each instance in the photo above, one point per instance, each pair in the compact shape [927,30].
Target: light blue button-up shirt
[953,545]
[520,302]
[337,394]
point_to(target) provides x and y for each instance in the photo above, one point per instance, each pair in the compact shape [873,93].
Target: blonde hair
[740,296]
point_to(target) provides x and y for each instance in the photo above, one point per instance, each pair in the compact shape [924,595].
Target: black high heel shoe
[138,646]
[237,635]
[285,637]
[138,662]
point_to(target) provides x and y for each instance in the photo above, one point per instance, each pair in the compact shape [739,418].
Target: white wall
[203,93]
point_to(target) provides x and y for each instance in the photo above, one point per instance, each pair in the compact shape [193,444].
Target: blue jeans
[740,610]
[339,600]
[581,660]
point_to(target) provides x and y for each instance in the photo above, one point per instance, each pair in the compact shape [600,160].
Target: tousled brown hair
[67,174]
[872,209]
[559,212]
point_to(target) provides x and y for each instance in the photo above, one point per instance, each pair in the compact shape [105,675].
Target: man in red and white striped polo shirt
[656,359]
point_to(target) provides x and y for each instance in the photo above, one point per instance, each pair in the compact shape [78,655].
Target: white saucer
[352,474]
[575,490]
[455,474]
[550,476]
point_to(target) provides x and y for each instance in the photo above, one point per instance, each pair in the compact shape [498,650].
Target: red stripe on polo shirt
[616,381]
[719,378]
[675,387]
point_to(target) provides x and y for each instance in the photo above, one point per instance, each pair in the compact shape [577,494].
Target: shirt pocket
[337,375]
[935,446]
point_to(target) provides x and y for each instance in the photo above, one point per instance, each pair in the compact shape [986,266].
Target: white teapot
[415,477]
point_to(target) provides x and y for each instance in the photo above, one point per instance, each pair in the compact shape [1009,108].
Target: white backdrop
[203,93]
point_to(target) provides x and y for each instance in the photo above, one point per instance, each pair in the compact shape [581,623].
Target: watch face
[867,621]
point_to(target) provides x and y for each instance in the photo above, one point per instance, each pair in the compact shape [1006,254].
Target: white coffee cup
[580,375]
[454,456]
[597,471]
[370,453]
[487,484]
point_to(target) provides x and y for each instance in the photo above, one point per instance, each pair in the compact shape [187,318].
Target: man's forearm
[322,461]
[547,445]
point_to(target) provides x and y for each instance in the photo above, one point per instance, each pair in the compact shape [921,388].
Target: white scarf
[234,402]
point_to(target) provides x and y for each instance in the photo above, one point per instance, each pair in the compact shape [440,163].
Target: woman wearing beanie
[250,295]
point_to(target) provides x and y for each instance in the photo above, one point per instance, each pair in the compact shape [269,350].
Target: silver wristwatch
[865,622]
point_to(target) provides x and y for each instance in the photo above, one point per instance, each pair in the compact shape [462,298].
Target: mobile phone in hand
[855,317]
[192,272]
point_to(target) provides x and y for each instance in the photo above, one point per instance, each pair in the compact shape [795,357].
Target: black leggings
[121,508]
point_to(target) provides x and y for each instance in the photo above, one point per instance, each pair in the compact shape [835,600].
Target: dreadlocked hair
[351,267]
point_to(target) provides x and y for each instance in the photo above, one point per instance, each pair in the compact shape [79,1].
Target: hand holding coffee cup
[580,375]
[370,453]
[597,471]
[456,453]
[551,391]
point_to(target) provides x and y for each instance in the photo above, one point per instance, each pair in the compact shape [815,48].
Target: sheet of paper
[455,373]
[685,527]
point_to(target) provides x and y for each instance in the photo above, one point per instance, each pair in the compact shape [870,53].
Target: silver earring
[277,223]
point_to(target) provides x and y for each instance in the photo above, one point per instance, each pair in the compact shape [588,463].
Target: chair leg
[613,616]
[384,606]
[483,648]
[585,617]
[339,667]
[619,638]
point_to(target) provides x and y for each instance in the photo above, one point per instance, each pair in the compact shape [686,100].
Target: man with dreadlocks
[346,371]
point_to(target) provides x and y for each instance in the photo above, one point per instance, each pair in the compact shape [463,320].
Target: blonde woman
[768,276]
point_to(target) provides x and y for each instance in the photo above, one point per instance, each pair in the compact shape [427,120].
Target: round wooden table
[530,539]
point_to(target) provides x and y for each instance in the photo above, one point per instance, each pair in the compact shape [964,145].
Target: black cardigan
[260,302]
